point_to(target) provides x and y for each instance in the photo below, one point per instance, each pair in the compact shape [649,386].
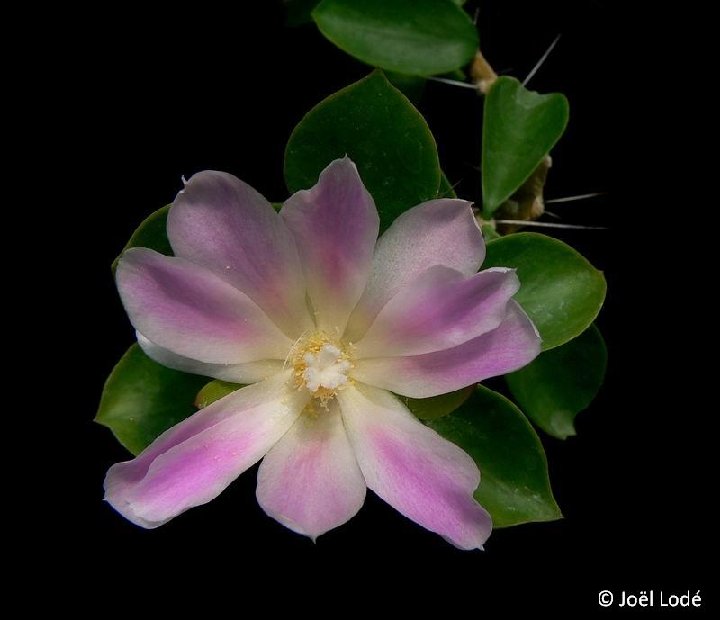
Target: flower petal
[310,480]
[335,225]
[250,372]
[411,467]
[223,224]
[194,461]
[438,232]
[194,313]
[440,309]
[509,347]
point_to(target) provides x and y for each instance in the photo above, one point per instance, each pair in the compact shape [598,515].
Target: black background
[157,97]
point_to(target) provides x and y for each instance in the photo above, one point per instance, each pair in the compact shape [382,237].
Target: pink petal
[193,462]
[438,232]
[194,313]
[225,225]
[423,476]
[509,347]
[440,309]
[250,372]
[310,480]
[335,225]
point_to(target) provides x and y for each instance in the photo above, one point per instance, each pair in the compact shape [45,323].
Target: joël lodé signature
[649,598]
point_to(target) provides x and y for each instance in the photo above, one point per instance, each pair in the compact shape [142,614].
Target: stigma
[320,365]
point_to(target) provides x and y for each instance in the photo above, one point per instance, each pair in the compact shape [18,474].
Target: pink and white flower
[327,326]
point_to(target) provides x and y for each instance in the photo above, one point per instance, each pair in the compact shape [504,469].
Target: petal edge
[194,461]
[223,224]
[509,347]
[438,232]
[310,481]
[335,225]
[411,467]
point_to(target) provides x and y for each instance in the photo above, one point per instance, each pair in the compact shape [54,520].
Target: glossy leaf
[215,390]
[380,130]
[412,86]
[150,234]
[514,486]
[417,37]
[142,399]
[489,233]
[519,129]
[457,75]
[437,406]
[560,383]
[299,12]
[559,289]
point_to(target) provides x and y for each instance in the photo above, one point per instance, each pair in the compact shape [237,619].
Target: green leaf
[299,12]
[559,289]
[446,189]
[380,130]
[437,406]
[489,233]
[215,390]
[560,383]
[411,86]
[142,399]
[519,129]
[514,487]
[150,234]
[417,37]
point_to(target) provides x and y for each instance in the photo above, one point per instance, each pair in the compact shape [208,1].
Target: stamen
[321,366]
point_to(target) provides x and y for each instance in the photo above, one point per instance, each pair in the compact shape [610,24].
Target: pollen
[320,366]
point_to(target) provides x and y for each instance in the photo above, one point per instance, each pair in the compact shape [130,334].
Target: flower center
[325,369]
[320,365]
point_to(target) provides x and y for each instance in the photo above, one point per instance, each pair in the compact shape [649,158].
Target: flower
[327,326]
